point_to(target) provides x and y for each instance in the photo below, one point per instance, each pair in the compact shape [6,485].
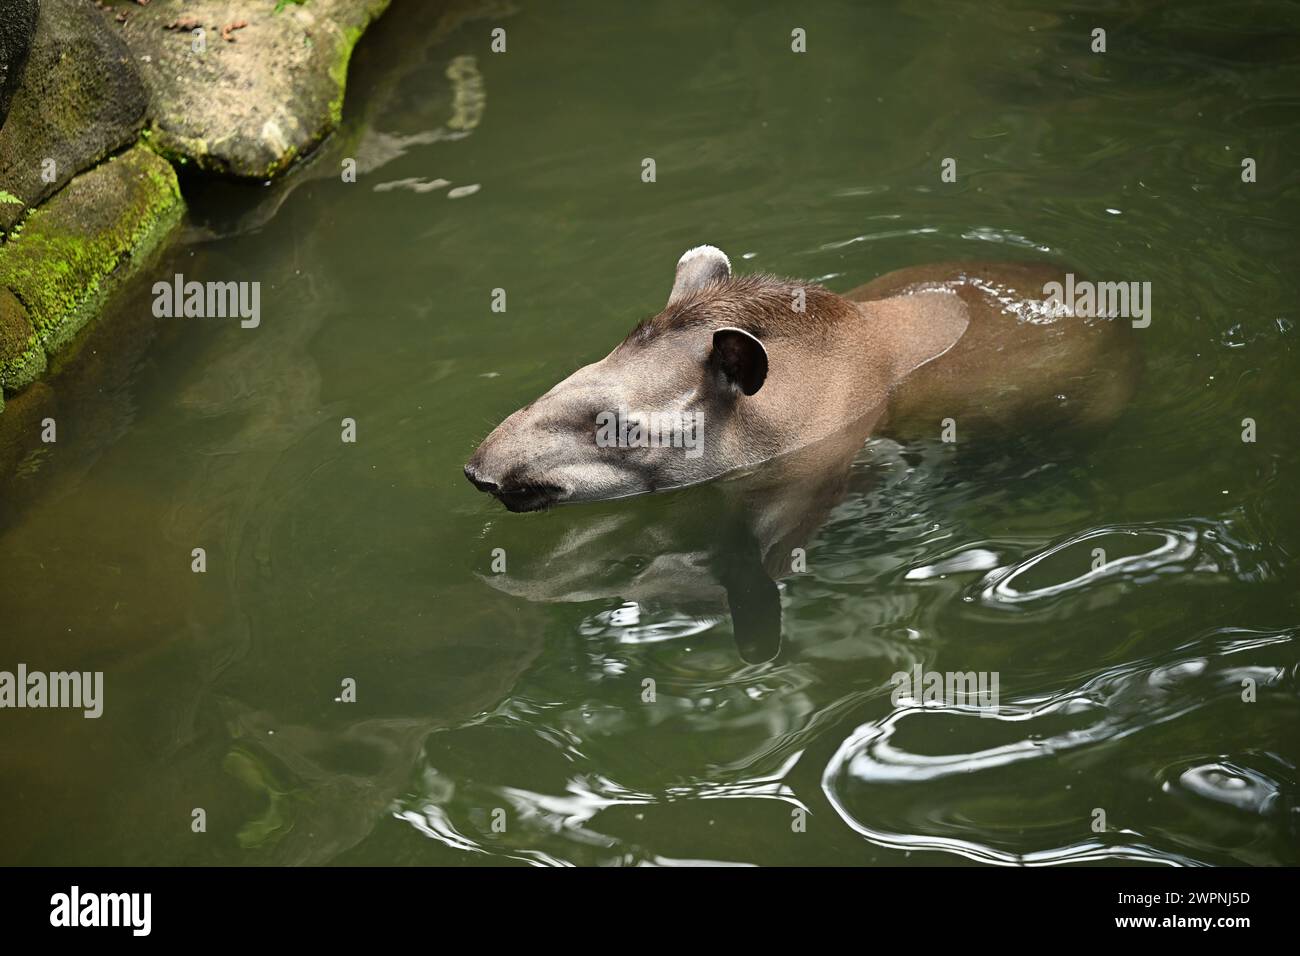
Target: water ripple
[882,780]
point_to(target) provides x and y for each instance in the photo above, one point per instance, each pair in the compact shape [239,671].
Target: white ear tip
[703,252]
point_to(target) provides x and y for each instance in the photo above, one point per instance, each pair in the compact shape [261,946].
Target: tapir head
[677,402]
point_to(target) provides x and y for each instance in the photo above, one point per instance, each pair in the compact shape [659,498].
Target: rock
[386,70]
[73,248]
[22,359]
[17,24]
[254,97]
[81,100]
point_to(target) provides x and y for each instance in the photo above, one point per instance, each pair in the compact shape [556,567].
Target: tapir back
[1019,362]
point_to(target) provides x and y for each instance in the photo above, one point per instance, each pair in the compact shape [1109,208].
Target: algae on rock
[75,245]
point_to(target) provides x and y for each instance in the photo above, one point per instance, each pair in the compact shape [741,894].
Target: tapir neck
[847,371]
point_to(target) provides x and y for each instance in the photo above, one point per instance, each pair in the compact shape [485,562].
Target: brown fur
[760,304]
[1004,371]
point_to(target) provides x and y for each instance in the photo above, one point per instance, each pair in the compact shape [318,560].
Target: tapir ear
[740,359]
[697,268]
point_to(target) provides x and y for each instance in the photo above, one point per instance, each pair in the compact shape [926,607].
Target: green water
[501,718]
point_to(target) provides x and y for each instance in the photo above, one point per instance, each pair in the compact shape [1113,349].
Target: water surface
[517,699]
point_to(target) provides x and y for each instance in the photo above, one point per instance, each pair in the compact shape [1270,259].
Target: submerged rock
[243,88]
[72,250]
[80,101]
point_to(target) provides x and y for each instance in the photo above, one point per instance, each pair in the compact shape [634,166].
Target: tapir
[749,368]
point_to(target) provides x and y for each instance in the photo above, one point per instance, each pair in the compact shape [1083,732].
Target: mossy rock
[80,100]
[17,24]
[255,97]
[22,358]
[75,245]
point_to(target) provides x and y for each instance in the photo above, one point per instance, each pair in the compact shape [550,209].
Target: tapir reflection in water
[782,381]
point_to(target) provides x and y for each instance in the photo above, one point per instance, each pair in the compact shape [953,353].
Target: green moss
[22,359]
[174,147]
[76,242]
[24,367]
[339,72]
